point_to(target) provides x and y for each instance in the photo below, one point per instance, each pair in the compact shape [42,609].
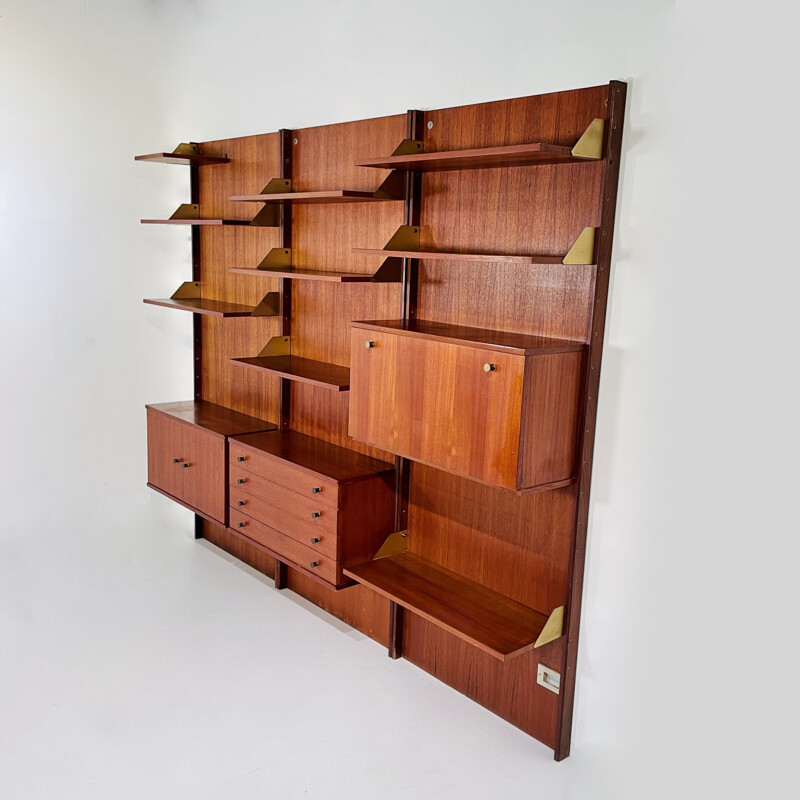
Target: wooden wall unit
[402,321]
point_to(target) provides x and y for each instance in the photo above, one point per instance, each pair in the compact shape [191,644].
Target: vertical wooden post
[616,113]
[396,623]
[285,240]
[280,574]
[197,320]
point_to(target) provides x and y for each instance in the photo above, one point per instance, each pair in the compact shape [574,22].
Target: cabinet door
[434,402]
[165,453]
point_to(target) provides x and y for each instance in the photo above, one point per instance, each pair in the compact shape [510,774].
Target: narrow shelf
[314,455]
[213,418]
[304,370]
[195,222]
[332,196]
[193,159]
[199,305]
[484,338]
[305,274]
[439,256]
[515,155]
[489,620]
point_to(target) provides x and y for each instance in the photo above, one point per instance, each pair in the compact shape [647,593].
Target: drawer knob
[489,367]
[241,480]
[369,345]
[185,465]
[176,460]
[316,490]
[241,502]
[315,514]
[315,540]
[313,564]
[240,458]
[240,524]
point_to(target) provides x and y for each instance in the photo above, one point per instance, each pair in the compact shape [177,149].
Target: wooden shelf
[183,158]
[211,417]
[489,620]
[199,305]
[515,155]
[305,274]
[439,256]
[304,370]
[315,455]
[332,196]
[195,222]
[483,338]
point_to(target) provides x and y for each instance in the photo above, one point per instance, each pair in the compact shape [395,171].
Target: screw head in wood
[430,125]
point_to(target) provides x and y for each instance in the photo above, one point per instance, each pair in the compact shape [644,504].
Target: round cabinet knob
[240,458]
[241,480]
[241,502]
[313,564]
[176,461]
[316,490]
[315,540]
[315,514]
[186,466]
[489,367]
[369,345]
[240,524]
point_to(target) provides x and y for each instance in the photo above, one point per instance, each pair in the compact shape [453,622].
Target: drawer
[322,490]
[187,462]
[286,548]
[292,510]
[320,538]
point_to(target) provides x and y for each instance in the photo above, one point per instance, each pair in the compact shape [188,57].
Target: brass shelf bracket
[406,237]
[270,306]
[188,290]
[582,250]
[270,214]
[187,211]
[590,145]
[277,257]
[393,544]
[187,149]
[553,628]
[277,346]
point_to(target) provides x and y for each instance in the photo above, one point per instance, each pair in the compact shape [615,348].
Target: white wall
[684,674]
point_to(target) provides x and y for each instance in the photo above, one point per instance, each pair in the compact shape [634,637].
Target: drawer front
[187,462]
[294,511]
[434,402]
[285,547]
[319,538]
[322,490]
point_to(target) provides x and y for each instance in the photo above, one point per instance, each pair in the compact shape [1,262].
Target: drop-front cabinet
[497,407]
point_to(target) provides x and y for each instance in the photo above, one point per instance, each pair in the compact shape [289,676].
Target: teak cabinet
[398,329]
[499,408]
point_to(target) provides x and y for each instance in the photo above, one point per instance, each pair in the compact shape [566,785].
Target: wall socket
[548,678]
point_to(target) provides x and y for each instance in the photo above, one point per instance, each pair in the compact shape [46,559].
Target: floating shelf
[192,159]
[304,370]
[332,196]
[501,341]
[489,620]
[189,214]
[199,305]
[438,256]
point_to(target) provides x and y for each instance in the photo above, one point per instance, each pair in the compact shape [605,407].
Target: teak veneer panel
[487,619]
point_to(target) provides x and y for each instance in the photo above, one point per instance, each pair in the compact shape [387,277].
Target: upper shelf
[432,255]
[279,190]
[485,618]
[195,160]
[501,341]
[189,214]
[200,305]
[304,370]
[410,156]
[215,419]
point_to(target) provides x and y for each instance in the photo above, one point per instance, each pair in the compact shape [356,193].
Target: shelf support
[397,617]
[281,575]
[270,214]
[187,211]
[590,145]
[582,251]
[277,257]
[393,544]
[270,306]
[188,290]
[277,346]
[393,186]
[406,237]
[187,149]
[553,628]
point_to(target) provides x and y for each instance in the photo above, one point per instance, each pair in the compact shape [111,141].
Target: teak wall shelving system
[397,354]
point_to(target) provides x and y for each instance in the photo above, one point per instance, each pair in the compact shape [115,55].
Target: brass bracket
[277,346]
[189,290]
[187,211]
[393,544]
[409,147]
[270,214]
[582,250]
[270,306]
[277,257]
[406,237]
[393,186]
[553,628]
[590,145]
[187,149]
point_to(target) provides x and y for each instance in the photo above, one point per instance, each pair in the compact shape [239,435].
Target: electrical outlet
[548,678]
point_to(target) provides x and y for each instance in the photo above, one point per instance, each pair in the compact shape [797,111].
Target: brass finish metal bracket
[409,147]
[270,306]
[590,145]
[277,346]
[188,290]
[406,237]
[187,149]
[582,250]
[553,628]
[187,211]
[393,544]
[277,257]
[270,214]
[393,186]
